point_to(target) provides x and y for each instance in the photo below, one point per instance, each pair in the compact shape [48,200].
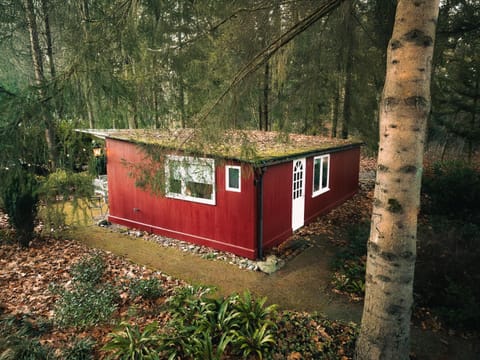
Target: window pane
[325,172]
[175,186]
[199,172]
[199,190]
[234,178]
[316,175]
[175,168]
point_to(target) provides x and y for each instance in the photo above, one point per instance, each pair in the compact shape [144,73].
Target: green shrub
[59,188]
[314,336]
[460,306]
[252,313]
[206,328]
[89,301]
[18,191]
[86,305]
[452,189]
[350,277]
[447,272]
[89,270]
[258,341]
[148,289]
[80,349]
[18,341]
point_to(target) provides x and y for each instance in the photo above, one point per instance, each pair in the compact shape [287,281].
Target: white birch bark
[404,108]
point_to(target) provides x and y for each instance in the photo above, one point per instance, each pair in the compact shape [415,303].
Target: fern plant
[258,341]
[133,344]
[253,313]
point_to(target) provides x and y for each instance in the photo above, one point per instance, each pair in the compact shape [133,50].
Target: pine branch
[265,6]
[236,13]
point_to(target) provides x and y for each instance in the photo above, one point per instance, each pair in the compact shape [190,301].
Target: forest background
[162,64]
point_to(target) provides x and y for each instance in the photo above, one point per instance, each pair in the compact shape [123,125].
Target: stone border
[274,260]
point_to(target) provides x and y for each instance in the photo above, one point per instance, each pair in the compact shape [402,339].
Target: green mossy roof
[258,147]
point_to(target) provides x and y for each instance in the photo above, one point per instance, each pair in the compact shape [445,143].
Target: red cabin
[242,193]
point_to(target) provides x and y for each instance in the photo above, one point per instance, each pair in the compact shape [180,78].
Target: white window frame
[227,178]
[323,188]
[189,169]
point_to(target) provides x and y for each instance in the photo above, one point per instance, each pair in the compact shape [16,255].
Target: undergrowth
[20,339]
[447,273]
[89,301]
[349,263]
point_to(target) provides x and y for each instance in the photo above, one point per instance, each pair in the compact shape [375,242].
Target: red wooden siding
[229,225]
[344,169]
[277,204]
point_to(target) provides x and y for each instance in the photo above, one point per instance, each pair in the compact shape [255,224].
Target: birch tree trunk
[404,108]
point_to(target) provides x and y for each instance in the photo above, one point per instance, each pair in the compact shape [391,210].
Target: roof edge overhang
[308,153]
[97,133]
[255,162]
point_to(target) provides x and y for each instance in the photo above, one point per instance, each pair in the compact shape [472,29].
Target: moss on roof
[245,145]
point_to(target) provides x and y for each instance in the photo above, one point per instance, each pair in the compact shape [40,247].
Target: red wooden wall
[344,170]
[229,225]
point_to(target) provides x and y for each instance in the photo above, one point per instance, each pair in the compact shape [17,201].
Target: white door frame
[298,193]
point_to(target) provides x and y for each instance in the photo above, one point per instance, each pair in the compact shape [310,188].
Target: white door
[298,194]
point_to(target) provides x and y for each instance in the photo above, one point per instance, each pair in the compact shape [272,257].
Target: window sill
[320,192]
[191,199]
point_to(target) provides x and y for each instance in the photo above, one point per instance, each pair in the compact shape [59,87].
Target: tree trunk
[404,108]
[266,93]
[86,85]
[349,34]
[260,113]
[34,44]
[48,36]
[181,100]
[40,79]
[473,120]
[336,105]
[347,101]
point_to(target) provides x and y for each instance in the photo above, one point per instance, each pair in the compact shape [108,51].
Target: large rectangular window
[321,174]
[190,178]
[233,178]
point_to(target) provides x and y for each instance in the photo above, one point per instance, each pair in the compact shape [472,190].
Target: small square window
[233,178]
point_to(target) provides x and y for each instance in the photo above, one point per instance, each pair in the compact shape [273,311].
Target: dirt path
[291,287]
[300,285]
